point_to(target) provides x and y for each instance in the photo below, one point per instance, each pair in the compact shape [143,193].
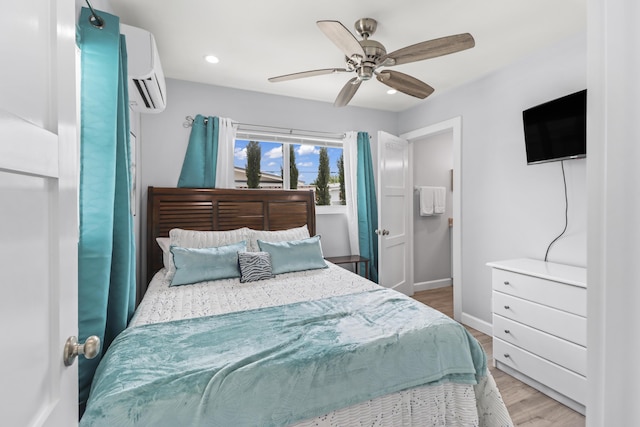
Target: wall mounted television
[556,130]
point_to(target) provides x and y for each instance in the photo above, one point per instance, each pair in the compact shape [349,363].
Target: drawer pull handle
[506,331]
[506,307]
[506,282]
[506,355]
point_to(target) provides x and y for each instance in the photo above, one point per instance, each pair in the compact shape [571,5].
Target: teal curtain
[199,166]
[106,248]
[367,205]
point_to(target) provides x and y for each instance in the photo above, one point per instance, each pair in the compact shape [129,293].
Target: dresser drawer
[563,381]
[555,322]
[554,349]
[547,292]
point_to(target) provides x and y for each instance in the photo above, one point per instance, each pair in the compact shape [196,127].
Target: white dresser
[540,327]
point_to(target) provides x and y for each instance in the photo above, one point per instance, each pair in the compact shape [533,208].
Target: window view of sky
[271,162]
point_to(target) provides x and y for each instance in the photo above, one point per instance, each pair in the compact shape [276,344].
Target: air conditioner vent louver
[150,92]
[147,88]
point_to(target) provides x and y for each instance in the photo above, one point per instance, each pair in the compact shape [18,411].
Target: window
[265,164]
[268,163]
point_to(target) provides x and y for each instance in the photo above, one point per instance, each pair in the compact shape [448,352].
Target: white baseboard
[466,319]
[432,284]
[478,324]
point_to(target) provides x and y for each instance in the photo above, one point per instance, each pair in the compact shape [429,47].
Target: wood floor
[527,406]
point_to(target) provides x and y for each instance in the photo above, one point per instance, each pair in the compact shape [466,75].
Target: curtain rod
[95,19]
[248,127]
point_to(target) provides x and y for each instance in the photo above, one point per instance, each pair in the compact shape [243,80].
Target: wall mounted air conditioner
[147,88]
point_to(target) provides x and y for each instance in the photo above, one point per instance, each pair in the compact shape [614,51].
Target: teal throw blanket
[278,365]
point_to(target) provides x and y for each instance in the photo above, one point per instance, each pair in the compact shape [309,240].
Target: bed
[293,341]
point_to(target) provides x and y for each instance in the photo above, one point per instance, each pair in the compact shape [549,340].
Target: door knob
[72,349]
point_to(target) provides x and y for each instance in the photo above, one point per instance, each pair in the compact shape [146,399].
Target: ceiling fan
[365,57]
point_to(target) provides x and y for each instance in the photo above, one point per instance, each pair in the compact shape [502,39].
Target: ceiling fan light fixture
[365,72]
[365,58]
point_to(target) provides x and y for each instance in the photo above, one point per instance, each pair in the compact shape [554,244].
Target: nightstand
[351,259]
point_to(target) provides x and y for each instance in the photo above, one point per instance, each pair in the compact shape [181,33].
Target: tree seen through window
[262,164]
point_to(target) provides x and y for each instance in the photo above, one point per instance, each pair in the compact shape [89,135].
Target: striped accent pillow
[254,266]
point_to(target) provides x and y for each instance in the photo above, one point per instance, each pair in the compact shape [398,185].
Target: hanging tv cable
[566,211]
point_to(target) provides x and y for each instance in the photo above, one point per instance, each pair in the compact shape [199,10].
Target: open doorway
[447,135]
[432,237]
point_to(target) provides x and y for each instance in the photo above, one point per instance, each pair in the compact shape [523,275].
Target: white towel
[439,200]
[432,200]
[427,198]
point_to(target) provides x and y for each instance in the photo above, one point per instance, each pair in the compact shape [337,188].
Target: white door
[394,210]
[38,213]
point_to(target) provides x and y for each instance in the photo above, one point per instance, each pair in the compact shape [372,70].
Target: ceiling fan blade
[347,92]
[306,74]
[341,37]
[431,49]
[405,83]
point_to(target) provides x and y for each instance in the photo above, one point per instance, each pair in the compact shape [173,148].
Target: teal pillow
[199,265]
[295,255]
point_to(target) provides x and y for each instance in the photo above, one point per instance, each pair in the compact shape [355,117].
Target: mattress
[446,404]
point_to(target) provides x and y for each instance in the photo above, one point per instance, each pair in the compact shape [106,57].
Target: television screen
[556,130]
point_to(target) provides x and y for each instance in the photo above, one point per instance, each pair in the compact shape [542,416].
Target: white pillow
[207,239]
[297,233]
[167,256]
[164,243]
[202,239]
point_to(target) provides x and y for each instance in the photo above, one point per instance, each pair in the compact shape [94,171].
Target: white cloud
[305,164]
[274,153]
[272,164]
[308,149]
[240,153]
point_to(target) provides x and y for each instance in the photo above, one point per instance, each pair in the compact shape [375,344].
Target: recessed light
[392,91]
[211,59]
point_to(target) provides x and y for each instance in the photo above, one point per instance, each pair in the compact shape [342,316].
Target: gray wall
[163,139]
[509,209]
[432,159]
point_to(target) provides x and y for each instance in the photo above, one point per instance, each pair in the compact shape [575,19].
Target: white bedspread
[163,303]
[442,405]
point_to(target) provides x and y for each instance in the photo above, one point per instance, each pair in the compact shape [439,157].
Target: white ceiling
[258,39]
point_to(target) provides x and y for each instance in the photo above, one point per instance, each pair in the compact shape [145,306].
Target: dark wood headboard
[222,209]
